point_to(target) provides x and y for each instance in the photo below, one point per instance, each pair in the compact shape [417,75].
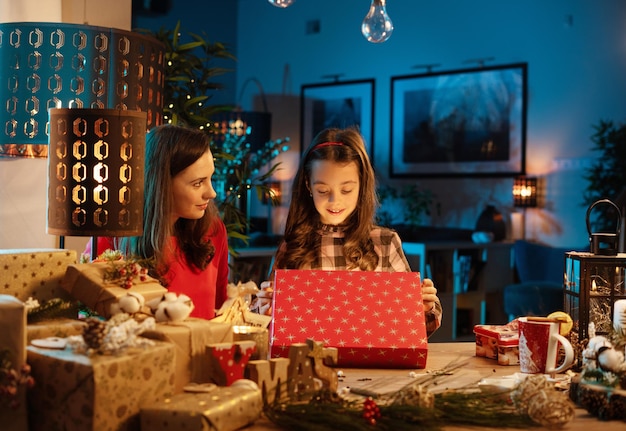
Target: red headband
[325,144]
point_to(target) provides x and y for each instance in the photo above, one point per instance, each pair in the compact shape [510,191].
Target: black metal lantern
[593,281]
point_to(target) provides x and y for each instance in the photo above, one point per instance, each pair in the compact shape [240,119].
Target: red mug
[539,346]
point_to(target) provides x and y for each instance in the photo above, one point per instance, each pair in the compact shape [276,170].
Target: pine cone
[94,332]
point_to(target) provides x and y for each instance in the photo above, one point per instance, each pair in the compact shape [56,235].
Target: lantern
[593,281]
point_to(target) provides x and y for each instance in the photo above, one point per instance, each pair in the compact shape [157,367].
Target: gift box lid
[372,318]
[507,335]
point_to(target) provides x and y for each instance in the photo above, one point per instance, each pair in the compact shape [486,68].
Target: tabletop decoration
[236,309]
[111,336]
[38,311]
[531,402]
[125,271]
[600,388]
[12,381]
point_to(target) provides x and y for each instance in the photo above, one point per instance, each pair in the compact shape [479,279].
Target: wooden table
[439,356]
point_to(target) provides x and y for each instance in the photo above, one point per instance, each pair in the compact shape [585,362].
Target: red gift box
[498,342]
[374,319]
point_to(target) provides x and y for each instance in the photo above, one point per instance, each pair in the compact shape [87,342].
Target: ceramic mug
[539,346]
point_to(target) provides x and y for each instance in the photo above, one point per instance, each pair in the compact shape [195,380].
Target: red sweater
[207,288]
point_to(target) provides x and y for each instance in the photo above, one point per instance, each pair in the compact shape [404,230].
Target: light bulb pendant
[377,26]
[281,3]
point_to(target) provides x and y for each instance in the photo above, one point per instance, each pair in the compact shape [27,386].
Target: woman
[183,233]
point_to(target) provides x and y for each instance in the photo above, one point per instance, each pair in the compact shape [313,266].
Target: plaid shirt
[391,259]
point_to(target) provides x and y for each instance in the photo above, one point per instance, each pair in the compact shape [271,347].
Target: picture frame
[337,104]
[467,122]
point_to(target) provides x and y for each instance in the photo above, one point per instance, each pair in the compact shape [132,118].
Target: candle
[619,316]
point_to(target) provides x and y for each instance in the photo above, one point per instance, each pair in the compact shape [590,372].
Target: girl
[182,229]
[330,224]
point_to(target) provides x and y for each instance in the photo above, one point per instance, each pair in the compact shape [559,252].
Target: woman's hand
[429,294]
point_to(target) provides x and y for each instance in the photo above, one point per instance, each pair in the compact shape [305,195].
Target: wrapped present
[35,273]
[13,355]
[217,409]
[99,392]
[87,283]
[58,328]
[374,319]
[500,342]
[191,338]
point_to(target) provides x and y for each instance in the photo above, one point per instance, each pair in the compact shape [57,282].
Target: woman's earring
[310,194]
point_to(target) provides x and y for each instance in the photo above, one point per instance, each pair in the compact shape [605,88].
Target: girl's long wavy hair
[169,150]
[302,240]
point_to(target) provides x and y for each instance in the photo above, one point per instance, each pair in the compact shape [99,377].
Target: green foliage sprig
[606,176]
[189,85]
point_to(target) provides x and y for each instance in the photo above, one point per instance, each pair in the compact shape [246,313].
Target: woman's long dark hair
[169,150]
[303,221]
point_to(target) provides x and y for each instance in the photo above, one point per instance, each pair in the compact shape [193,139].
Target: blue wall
[575,50]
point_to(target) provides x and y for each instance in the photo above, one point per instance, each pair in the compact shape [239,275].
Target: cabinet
[469,278]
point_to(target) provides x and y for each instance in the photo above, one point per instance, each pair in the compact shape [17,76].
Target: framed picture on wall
[337,104]
[469,122]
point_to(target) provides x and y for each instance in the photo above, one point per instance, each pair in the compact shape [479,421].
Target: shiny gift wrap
[101,392]
[374,319]
[58,328]
[86,283]
[35,273]
[220,409]
[191,338]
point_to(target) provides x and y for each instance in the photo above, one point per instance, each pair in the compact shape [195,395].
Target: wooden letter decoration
[271,376]
[300,383]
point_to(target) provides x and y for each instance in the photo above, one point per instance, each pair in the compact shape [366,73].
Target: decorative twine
[543,403]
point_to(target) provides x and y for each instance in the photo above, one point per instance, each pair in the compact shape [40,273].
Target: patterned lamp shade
[96,172]
[525,192]
[60,65]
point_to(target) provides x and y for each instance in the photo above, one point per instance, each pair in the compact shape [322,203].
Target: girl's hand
[263,302]
[429,294]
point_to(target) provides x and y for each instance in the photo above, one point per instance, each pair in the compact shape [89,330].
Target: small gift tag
[50,343]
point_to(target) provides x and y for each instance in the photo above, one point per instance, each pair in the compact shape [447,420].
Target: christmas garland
[533,401]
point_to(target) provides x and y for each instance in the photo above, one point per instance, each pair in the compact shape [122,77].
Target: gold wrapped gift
[35,273]
[13,343]
[60,328]
[100,392]
[222,408]
[190,338]
[86,283]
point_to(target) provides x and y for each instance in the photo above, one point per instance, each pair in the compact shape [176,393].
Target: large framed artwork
[469,122]
[338,104]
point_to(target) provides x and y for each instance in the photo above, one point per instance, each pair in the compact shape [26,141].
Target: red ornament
[371,412]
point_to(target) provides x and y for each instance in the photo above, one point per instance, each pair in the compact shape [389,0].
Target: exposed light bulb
[377,26]
[281,3]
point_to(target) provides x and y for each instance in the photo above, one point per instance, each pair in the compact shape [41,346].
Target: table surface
[441,355]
